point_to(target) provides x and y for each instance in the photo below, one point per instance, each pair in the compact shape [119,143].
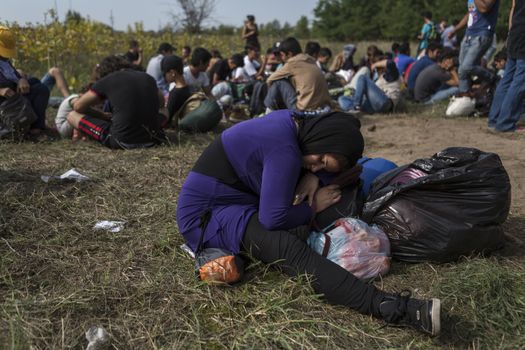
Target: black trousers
[294,257]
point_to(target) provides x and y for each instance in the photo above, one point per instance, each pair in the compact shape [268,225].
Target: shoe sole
[436,316]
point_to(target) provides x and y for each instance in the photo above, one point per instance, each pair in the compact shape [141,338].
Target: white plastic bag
[461,106]
[352,244]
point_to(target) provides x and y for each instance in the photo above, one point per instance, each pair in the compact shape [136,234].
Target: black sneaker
[422,315]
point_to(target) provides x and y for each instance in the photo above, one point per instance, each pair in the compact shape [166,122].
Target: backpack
[432,34]
[198,114]
[16,117]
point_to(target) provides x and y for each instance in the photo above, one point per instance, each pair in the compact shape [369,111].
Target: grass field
[59,277]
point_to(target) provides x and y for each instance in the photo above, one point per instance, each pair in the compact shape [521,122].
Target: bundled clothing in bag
[440,208]
[198,114]
[352,244]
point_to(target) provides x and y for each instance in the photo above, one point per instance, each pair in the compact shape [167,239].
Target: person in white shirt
[251,63]
[195,74]
[153,69]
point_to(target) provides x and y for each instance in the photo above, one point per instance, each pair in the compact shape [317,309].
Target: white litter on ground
[187,250]
[98,338]
[72,175]
[111,226]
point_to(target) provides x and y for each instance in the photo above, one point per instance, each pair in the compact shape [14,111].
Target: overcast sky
[154,13]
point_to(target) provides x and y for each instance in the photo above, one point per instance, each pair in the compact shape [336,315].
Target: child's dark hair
[404,48]
[112,64]
[325,52]
[216,53]
[446,54]
[312,48]
[200,56]
[290,45]
[238,60]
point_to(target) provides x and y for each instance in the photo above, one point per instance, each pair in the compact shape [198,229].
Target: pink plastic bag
[361,249]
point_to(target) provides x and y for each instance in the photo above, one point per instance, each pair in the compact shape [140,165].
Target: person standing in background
[250,32]
[507,103]
[480,21]
[134,54]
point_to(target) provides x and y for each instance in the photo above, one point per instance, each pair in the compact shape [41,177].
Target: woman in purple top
[247,179]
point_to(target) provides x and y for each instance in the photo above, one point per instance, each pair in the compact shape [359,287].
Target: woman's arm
[280,175]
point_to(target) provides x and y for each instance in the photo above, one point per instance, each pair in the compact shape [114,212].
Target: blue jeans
[281,95]
[507,102]
[443,94]
[368,97]
[472,50]
[49,82]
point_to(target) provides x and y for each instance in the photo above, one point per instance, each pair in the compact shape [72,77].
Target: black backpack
[16,117]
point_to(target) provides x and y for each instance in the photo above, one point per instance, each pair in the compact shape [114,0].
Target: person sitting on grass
[134,101]
[433,50]
[325,54]
[375,97]
[402,58]
[55,77]
[172,68]
[312,48]
[221,74]
[153,69]
[438,81]
[195,74]
[500,59]
[13,82]
[252,66]
[186,55]
[299,84]
[243,187]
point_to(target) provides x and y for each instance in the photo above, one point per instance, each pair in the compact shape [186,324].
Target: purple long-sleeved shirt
[265,154]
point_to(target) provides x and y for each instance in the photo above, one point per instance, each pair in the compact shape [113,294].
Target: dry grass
[58,276]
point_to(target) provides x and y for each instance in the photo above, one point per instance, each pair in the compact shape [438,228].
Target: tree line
[386,19]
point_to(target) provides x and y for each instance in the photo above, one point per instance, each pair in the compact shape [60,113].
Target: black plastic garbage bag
[457,209]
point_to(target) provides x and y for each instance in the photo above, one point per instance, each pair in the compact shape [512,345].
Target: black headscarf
[332,133]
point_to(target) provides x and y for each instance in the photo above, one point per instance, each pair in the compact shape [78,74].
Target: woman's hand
[23,86]
[306,189]
[326,197]
[6,92]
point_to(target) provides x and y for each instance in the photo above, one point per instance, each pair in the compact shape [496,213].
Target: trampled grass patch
[59,277]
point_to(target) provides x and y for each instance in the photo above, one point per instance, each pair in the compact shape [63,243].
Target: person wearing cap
[375,97]
[12,82]
[134,100]
[172,69]
[299,84]
[247,186]
[153,68]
